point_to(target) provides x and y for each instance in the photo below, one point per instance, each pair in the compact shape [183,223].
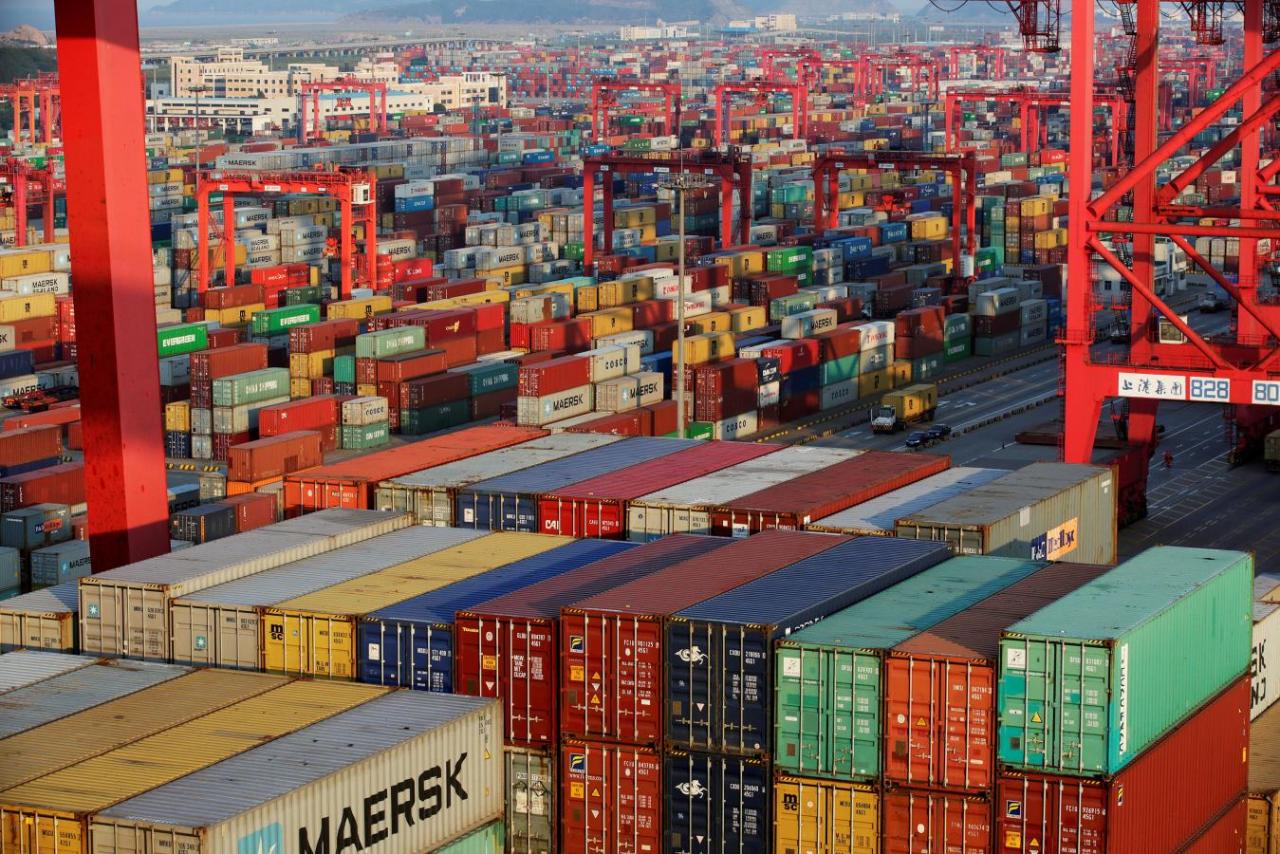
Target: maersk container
[1045,511]
[430,494]
[125,611]
[719,665]
[1091,681]
[42,619]
[410,644]
[827,678]
[220,625]
[878,516]
[510,502]
[716,803]
[532,796]
[686,507]
[401,772]
[25,667]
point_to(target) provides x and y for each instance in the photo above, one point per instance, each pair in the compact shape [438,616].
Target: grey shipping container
[35,526]
[10,569]
[1045,511]
[60,564]
[42,619]
[878,516]
[125,611]
[531,801]
[409,771]
[26,667]
[429,494]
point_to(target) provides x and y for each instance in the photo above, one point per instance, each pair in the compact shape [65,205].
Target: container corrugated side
[825,816]
[490,839]
[686,507]
[610,798]
[532,798]
[715,802]
[411,642]
[41,619]
[924,820]
[1266,642]
[125,611]
[719,662]
[1155,638]
[78,690]
[221,625]
[510,502]
[828,677]
[403,772]
[315,634]
[430,494]
[1264,783]
[24,667]
[1045,511]
[878,516]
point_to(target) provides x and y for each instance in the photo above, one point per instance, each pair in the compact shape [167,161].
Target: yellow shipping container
[875,382]
[16,262]
[716,321]
[748,317]
[638,289]
[700,349]
[609,320]
[1035,206]
[360,308]
[514,274]
[825,817]
[367,389]
[235,316]
[21,307]
[667,250]
[177,416]
[466,299]
[743,263]
[586,298]
[929,228]
[310,366]
[299,387]
[315,634]
[901,372]
[50,815]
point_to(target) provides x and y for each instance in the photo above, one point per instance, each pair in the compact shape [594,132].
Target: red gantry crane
[36,98]
[311,90]
[921,70]
[761,91]
[21,178]
[807,61]
[604,97]
[994,55]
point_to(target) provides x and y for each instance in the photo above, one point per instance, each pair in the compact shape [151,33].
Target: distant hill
[552,11]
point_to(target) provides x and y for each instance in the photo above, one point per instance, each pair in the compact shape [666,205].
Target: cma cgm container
[940,685]
[612,683]
[411,643]
[401,772]
[1159,802]
[221,625]
[1264,783]
[598,507]
[510,502]
[719,665]
[41,619]
[24,667]
[610,798]
[825,816]
[1157,637]
[794,504]
[686,507]
[828,692]
[878,516]
[716,803]
[1046,511]
[430,494]
[125,611]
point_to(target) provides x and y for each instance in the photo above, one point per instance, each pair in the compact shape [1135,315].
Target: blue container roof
[558,474]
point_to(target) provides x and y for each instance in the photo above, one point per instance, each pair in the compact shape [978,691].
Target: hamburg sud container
[24,667]
[878,516]
[510,502]
[612,684]
[686,507]
[1264,783]
[716,802]
[52,812]
[402,772]
[1161,801]
[41,619]
[798,502]
[1155,638]
[430,494]
[1266,641]
[828,682]
[827,816]
[220,626]
[610,798]
[597,507]
[1046,511]
[125,611]
[411,643]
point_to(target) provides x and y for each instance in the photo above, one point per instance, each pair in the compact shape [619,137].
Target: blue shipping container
[15,363]
[410,204]
[716,803]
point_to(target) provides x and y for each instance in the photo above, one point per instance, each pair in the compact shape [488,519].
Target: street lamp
[680,183]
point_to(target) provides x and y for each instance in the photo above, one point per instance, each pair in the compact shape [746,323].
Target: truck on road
[910,405]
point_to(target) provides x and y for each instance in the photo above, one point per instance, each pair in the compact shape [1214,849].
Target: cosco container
[1155,638]
[1046,511]
[25,667]
[825,816]
[411,643]
[125,611]
[402,772]
[42,619]
[510,502]
[828,691]
[879,516]
[612,684]
[719,665]
[1159,802]
[509,647]
[430,494]
[716,803]
[610,798]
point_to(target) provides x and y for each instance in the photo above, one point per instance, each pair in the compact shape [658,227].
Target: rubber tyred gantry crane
[761,90]
[808,63]
[1034,133]
[920,69]
[35,98]
[310,90]
[21,178]
[994,55]
[604,97]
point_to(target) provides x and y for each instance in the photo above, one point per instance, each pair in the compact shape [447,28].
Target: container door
[821,817]
[531,796]
[922,822]
[912,721]
[639,677]
[744,800]
[195,637]
[529,669]
[100,629]
[309,644]
[586,695]
[1046,817]
[438,510]
[854,701]
[692,658]
[693,787]
[433,658]
[284,643]
[744,699]
[381,653]
[968,727]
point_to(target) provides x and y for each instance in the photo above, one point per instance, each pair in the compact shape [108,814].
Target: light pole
[198,90]
[680,183]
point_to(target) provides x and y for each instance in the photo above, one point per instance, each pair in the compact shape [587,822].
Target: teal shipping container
[1091,681]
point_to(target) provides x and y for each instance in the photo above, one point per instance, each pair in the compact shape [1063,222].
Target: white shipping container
[736,426]
[768,394]
[806,323]
[613,361]
[1000,301]
[1266,641]
[38,283]
[42,619]
[201,446]
[617,395]
[201,421]
[58,564]
[838,394]
[302,253]
[303,235]
[25,667]
[337,784]
[363,411]
[536,411]
[241,419]
[877,359]
[19,384]
[642,338]
[876,333]
[720,296]
[650,387]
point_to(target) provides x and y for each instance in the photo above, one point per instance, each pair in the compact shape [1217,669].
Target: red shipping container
[458,351]
[233,297]
[844,340]
[27,444]
[429,391]
[490,316]
[508,647]
[927,321]
[519,336]
[794,355]
[325,335]
[1000,324]
[939,686]
[59,415]
[490,341]
[572,335]
[630,423]
[650,313]
[554,375]
[253,510]
[278,275]
[274,456]
[75,436]
[1159,802]
[60,484]
[917,821]
[916,347]
[724,389]
[308,413]
[225,361]
[612,679]
[411,268]
[808,498]
[847,309]
[597,507]
[489,404]
[28,333]
[610,798]
[221,338]
[224,442]
[1227,835]
[350,484]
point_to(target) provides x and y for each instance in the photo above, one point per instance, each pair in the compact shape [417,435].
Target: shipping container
[825,816]
[828,695]
[915,821]
[532,801]
[125,611]
[1156,638]
[60,564]
[1266,640]
[1045,511]
[716,803]
[1159,802]
[274,456]
[610,798]
[1227,835]
[42,619]
[879,516]
[489,839]
[1263,836]
[401,772]
[26,667]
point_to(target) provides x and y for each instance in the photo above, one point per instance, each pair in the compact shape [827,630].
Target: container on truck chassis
[910,405]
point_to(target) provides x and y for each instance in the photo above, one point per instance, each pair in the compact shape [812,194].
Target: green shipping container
[302,296]
[493,376]
[693,430]
[574,251]
[359,438]
[792,304]
[790,260]
[182,338]
[344,369]
[389,342]
[490,839]
[275,321]
[827,699]
[251,387]
[1088,683]
[926,367]
[954,351]
[838,370]
[429,419]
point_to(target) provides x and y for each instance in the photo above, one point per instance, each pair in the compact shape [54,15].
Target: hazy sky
[39,13]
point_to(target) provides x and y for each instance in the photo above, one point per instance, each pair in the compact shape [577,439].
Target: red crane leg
[1146,94]
[588,217]
[726,213]
[1248,328]
[20,206]
[115,302]
[228,240]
